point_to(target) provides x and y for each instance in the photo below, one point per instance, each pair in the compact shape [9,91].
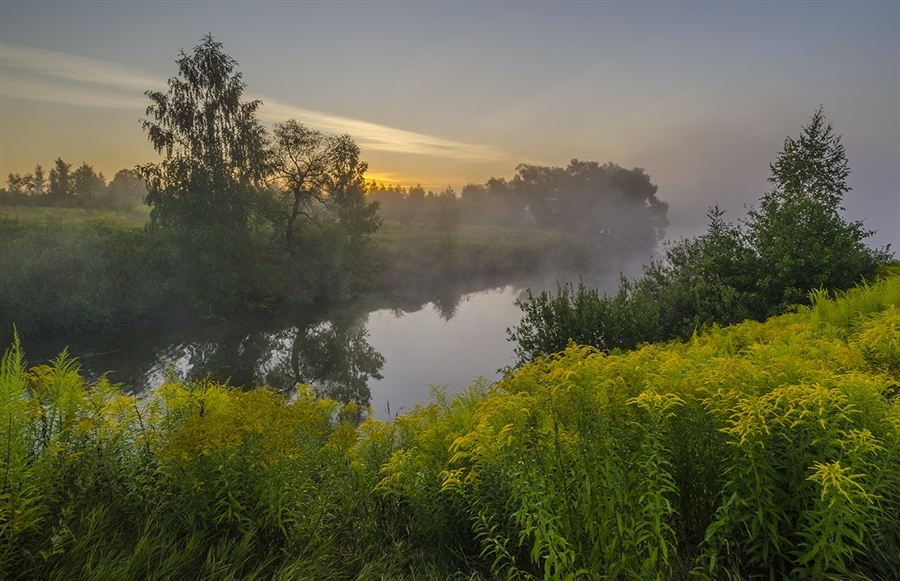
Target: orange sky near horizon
[700,95]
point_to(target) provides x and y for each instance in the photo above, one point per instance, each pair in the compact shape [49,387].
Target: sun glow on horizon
[398,180]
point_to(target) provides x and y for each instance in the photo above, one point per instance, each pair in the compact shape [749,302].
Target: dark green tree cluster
[226,191]
[414,204]
[615,208]
[795,242]
[82,187]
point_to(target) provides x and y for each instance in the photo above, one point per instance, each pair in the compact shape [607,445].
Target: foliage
[212,143]
[119,274]
[32,184]
[112,271]
[126,189]
[802,241]
[83,188]
[197,479]
[757,451]
[754,451]
[209,191]
[614,209]
[357,216]
[443,209]
[550,322]
[61,183]
[313,172]
[795,243]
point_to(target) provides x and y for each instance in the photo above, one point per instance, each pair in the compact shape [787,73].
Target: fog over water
[388,358]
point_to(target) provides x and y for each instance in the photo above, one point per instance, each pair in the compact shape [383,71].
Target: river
[386,358]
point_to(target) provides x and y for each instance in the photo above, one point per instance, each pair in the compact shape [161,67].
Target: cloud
[50,91]
[55,77]
[379,137]
[67,67]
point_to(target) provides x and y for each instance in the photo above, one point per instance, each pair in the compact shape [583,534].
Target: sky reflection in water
[423,348]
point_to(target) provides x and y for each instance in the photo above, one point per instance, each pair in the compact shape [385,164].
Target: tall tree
[213,144]
[208,187]
[801,238]
[38,185]
[16,183]
[301,167]
[86,183]
[61,186]
[314,171]
[357,216]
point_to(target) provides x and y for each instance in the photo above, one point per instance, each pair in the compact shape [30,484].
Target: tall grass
[758,451]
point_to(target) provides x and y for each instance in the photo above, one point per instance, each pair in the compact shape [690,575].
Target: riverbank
[663,462]
[69,271]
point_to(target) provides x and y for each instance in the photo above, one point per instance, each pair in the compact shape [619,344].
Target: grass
[756,451]
[413,252]
[37,215]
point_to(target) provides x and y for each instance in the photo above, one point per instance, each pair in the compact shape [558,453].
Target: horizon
[700,95]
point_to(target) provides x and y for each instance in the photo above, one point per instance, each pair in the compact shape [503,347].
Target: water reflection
[369,352]
[334,357]
[331,352]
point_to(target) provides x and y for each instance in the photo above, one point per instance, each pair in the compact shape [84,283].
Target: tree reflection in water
[326,348]
[336,359]
[331,353]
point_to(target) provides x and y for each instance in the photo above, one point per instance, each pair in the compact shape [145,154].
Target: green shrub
[757,451]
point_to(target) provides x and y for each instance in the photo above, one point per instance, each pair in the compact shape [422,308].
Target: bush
[761,450]
[754,451]
[80,275]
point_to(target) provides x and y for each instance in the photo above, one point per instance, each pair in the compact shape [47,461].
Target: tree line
[243,217]
[795,242]
[82,187]
[223,170]
[615,208]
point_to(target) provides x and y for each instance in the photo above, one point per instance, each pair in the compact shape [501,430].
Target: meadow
[75,270]
[762,450]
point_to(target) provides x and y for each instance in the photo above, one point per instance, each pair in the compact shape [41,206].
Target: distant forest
[82,187]
[616,209]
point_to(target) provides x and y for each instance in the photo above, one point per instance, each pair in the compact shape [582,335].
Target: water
[386,358]
[423,348]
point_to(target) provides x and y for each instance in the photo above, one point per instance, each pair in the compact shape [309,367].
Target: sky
[700,94]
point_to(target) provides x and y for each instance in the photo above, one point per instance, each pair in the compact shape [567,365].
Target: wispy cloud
[43,75]
[58,66]
[378,137]
[49,90]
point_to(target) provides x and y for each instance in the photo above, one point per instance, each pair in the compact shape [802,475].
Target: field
[73,270]
[413,253]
